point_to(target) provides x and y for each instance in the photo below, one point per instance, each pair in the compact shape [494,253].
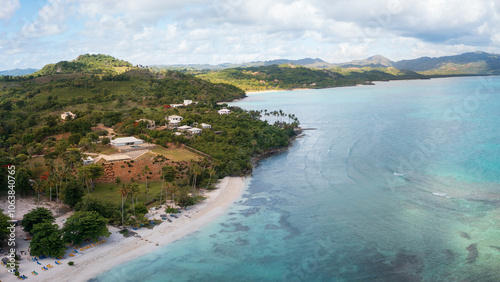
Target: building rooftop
[125,140]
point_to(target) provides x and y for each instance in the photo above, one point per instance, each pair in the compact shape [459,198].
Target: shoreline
[117,249]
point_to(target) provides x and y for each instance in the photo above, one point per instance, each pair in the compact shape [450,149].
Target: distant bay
[399,181]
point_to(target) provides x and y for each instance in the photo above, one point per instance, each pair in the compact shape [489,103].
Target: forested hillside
[288,76]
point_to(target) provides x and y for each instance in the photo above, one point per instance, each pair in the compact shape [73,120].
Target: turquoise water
[399,181]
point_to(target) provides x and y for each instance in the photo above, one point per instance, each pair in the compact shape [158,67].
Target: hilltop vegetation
[94,64]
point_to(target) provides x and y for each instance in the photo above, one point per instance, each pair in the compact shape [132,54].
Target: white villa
[174,118]
[68,115]
[205,126]
[224,111]
[184,128]
[151,123]
[126,141]
[176,105]
[194,131]
[173,121]
[187,102]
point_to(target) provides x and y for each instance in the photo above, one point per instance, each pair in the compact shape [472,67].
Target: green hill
[91,64]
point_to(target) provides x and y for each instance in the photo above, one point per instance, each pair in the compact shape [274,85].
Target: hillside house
[174,118]
[173,124]
[126,141]
[88,160]
[173,121]
[68,115]
[224,111]
[194,131]
[176,105]
[184,128]
[150,123]
[205,126]
[188,102]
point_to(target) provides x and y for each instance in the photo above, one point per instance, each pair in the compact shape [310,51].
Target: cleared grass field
[110,192]
[176,154]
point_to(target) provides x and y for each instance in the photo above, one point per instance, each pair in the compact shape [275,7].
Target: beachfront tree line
[49,240]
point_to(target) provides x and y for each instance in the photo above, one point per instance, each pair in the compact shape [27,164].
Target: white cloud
[9,7]
[196,31]
[49,21]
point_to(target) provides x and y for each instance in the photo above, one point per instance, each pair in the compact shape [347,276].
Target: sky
[34,33]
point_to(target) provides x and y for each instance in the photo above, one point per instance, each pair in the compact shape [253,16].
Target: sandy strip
[118,249]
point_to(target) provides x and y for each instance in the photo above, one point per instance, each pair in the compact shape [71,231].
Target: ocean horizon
[397,181]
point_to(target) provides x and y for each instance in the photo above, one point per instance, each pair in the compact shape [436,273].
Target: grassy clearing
[110,192]
[176,154]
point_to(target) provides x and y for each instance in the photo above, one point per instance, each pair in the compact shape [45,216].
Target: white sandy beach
[118,249]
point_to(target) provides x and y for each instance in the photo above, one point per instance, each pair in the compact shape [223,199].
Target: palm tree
[211,171]
[196,172]
[38,187]
[145,172]
[124,193]
[51,180]
[134,190]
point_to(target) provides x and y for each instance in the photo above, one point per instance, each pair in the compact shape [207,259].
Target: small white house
[188,102]
[174,118]
[194,131]
[88,160]
[184,128]
[178,133]
[68,115]
[173,124]
[205,126]
[126,141]
[224,111]
[176,105]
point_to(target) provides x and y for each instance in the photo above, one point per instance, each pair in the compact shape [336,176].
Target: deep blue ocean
[397,181]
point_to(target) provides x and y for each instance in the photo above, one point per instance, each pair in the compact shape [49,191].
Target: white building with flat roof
[174,118]
[126,141]
[205,126]
[194,131]
[224,111]
[184,128]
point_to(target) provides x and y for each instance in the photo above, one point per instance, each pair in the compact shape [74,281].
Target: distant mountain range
[471,63]
[18,72]
[467,63]
[307,62]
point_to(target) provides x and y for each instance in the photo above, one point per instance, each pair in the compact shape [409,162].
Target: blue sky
[34,33]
